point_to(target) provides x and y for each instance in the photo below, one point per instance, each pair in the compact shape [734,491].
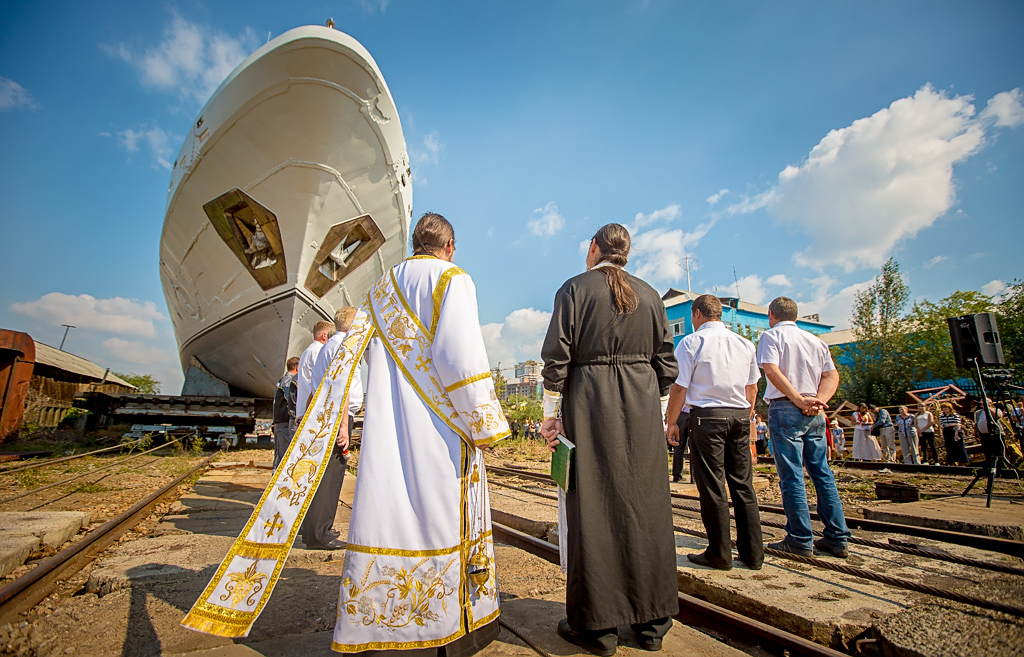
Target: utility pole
[67,327]
[686,263]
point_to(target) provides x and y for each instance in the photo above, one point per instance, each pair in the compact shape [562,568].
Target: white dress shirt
[800,355]
[304,379]
[715,366]
[323,363]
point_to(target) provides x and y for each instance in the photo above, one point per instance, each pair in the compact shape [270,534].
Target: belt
[616,359]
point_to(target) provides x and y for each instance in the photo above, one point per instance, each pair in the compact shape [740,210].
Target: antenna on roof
[737,280]
[686,263]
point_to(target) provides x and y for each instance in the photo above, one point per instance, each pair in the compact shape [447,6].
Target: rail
[28,590]
[693,611]
[989,543]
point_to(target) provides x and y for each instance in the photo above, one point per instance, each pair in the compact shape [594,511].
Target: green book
[563,462]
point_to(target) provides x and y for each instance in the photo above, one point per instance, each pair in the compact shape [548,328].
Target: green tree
[930,344]
[883,365]
[522,409]
[144,384]
[1011,324]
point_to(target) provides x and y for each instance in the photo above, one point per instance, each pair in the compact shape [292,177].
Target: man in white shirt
[717,383]
[801,380]
[322,331]
[318,527]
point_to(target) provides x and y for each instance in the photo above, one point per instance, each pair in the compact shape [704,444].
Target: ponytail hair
[613,242]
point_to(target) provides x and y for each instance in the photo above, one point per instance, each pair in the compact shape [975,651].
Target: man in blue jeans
[801,380]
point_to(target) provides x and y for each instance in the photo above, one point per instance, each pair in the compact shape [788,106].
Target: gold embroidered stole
[475,416]
[410,344]
[242,585]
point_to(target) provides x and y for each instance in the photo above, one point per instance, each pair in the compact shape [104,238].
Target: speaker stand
[992,463]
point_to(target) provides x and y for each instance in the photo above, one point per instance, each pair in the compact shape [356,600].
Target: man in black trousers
[717,382]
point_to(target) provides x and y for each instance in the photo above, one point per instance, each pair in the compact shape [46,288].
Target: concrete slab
[15,549]
[1005,518]
[53,528]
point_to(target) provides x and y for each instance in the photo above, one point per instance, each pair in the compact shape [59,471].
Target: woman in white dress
[865,446]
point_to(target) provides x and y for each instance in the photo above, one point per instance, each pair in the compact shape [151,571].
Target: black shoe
[785,546]
[330,545]
[591,645]
[830,548]
[653,645]
[701,559]
[333,534]
[752,567]
[677,480]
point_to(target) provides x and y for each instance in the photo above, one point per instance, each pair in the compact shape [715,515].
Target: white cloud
[1005,108]
[117,315]
[779,279]
[751,289]
[934,261]
[717,196]
[13,96]
[546,221]
[667,214]
[879,180]
[132,351]
[656,255]
[883,178]
[190,60]
[993,288]
[834,309]
[432,147]
[156,141]
[516,339]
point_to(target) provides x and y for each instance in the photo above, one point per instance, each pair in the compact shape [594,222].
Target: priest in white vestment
[419,563]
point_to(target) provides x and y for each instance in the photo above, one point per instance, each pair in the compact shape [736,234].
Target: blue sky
[798,144]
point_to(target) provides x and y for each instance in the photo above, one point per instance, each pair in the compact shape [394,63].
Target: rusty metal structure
[17,358]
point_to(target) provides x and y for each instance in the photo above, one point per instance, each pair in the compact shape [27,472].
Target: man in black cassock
[611,364]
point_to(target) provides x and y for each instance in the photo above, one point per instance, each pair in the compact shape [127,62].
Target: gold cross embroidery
[273,525]
[422,364]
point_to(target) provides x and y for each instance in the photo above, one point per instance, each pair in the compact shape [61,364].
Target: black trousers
[321,512]
[677,452]
[927,442]
[720,447]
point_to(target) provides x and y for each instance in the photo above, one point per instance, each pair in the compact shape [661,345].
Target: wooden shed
[58,377]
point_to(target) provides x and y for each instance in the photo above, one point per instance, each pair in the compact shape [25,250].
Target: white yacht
[290,197]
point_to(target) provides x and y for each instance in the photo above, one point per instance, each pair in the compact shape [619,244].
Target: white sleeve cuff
[664,408]
[552,404]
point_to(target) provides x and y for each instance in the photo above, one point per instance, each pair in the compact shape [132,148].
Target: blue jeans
[798,441]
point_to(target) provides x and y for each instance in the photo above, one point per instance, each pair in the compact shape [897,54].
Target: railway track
[693,612]
[829,564]
[989,543]
[24,593]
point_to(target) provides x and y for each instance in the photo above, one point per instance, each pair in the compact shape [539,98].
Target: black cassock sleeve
[558,348]
[664,361]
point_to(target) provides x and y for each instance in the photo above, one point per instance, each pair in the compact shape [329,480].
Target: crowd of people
[615,387]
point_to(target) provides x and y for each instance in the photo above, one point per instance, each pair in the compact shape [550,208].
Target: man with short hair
[322,331]
[318,527]
[801,380]
[284,409]
[717,382]
[886,432]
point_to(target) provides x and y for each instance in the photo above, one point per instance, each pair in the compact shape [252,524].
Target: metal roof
[62,360]
[843,336]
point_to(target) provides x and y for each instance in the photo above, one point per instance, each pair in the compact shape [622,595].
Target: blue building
[747,319]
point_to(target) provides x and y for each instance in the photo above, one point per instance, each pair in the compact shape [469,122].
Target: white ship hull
[300,147]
